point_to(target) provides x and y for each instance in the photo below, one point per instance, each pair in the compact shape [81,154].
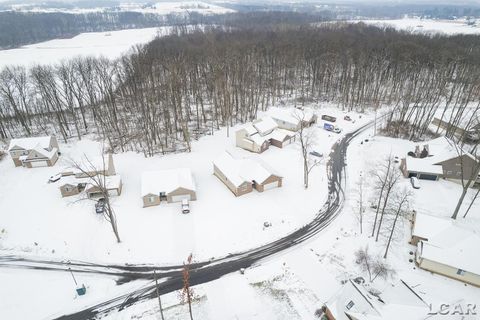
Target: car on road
[185,206]
[415,182]
[55,178]
[100,205]
[316,154]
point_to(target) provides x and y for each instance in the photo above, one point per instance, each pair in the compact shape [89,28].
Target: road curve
[170,277]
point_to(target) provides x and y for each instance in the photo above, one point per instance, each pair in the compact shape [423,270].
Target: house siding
[146,200]
[181,192]
[244,188]
[273,178]
[72,190]
[452,168]
[448,271]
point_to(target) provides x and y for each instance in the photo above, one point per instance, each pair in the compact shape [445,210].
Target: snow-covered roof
[455,246]
[30,143]
[442,149]
[286,117]
[258,139]
[111,182]
[43,152]
[423,165]
[265,125]
[154,182]
[239,171]
[398,302]
[427,226]
[279,134]
[249,128]
[96,163]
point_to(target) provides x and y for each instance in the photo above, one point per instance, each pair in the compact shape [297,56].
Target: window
[151,199]
[350,305]
[460,272]
[459,173]
[449,172]
[67,189]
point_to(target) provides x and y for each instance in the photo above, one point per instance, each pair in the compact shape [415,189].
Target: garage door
[428,177]
[36,164]
[270,185]
[180,198]
[113,192]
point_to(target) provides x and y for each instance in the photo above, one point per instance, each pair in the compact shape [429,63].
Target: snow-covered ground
[296,284]
[219,223]
[110,44]
[418,25]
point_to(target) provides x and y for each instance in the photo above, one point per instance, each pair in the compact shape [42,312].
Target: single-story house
[249,139]
[447,248]
[71,186]
[34,152]
[395,302]
[265,126]
[113,184]
[172,185]
[440,158]
[241,176]
[91,168]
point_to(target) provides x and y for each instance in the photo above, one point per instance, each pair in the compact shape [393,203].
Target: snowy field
[417,25]
[109,44]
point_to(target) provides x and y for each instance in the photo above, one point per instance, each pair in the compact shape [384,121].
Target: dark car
[347,118]
[100,205]
[316,154]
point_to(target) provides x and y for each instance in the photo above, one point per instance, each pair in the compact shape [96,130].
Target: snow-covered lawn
[449,27]
[110,44]
[38,221]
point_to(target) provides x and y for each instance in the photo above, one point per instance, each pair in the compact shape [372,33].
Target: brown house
[172,185]
[241,176]
[113,184]
[72,188]
[34,152]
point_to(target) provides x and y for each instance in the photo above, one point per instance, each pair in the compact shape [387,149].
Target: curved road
[170,277]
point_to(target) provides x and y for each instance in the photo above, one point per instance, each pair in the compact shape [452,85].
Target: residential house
[172,185]
[394,302]
[241,176]
[441,158]
[447,248]
[294,120]
[249,139]
[113,185]
[71,186]
[34,152]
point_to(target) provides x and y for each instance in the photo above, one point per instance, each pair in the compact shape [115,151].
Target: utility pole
[158,294]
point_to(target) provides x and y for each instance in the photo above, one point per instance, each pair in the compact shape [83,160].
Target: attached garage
[271,185]
[37,164]
[426,176]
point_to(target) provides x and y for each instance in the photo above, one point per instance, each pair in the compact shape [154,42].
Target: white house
[172,185]
[34,152]
[249,139]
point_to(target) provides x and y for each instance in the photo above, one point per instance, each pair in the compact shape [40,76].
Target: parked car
[328,118]
[415,182]
[100,205]
[347,118]
[54,178]
[185,206]
[328,126]
[316,154]
[337,130]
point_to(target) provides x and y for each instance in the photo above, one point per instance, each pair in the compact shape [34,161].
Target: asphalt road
[170,277]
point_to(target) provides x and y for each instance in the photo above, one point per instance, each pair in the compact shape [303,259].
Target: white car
[337,130]
[415,182]
[185,206]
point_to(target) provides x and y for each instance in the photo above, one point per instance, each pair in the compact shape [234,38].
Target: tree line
[177,88]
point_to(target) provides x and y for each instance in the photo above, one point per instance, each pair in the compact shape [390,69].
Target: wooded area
[182,86]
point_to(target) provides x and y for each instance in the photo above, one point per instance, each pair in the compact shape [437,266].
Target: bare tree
[469,172]
[401,204]
[360,200]
[187,294]
[98,180]
[306,138]
[374,266]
